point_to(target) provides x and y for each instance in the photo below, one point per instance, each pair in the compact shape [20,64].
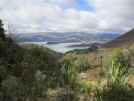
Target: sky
[68,15]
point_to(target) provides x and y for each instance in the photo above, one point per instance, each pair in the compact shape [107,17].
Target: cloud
[45,15]
[115,15]
[60,15]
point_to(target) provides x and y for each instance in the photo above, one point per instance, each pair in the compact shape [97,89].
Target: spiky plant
[70,73]
[119,69]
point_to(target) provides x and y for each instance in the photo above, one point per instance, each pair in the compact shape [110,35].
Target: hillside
[26,72]
[124,40]
[34,73]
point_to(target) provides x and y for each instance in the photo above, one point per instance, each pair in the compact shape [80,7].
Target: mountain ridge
[125,39]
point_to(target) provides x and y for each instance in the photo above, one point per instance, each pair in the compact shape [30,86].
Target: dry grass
[97,60]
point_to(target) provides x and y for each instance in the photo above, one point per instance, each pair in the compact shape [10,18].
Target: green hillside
[26,72]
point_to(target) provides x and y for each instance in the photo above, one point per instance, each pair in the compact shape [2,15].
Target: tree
[2,32]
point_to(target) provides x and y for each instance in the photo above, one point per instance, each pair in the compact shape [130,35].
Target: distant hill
[124,40]
[65,37]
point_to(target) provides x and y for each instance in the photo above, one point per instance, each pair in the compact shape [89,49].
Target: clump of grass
[70,74]
[119,69]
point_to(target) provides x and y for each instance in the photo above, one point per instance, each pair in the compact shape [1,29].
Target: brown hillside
[124,40]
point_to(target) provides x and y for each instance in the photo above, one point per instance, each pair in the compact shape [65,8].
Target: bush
[23,64]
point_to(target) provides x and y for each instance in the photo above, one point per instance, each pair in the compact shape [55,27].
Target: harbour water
[59,47]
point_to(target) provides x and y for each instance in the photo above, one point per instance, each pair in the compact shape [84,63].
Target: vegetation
[70,73]
[115,93]
[26,72]
[35,73]
[117,88]
[118,72]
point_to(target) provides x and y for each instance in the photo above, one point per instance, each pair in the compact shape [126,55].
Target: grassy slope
[97,61]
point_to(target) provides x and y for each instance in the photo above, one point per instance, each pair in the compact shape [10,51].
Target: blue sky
[84,5]
[68,15]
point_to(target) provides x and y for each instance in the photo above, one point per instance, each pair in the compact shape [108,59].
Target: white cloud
[115,15]
[46,16]
[50,15]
